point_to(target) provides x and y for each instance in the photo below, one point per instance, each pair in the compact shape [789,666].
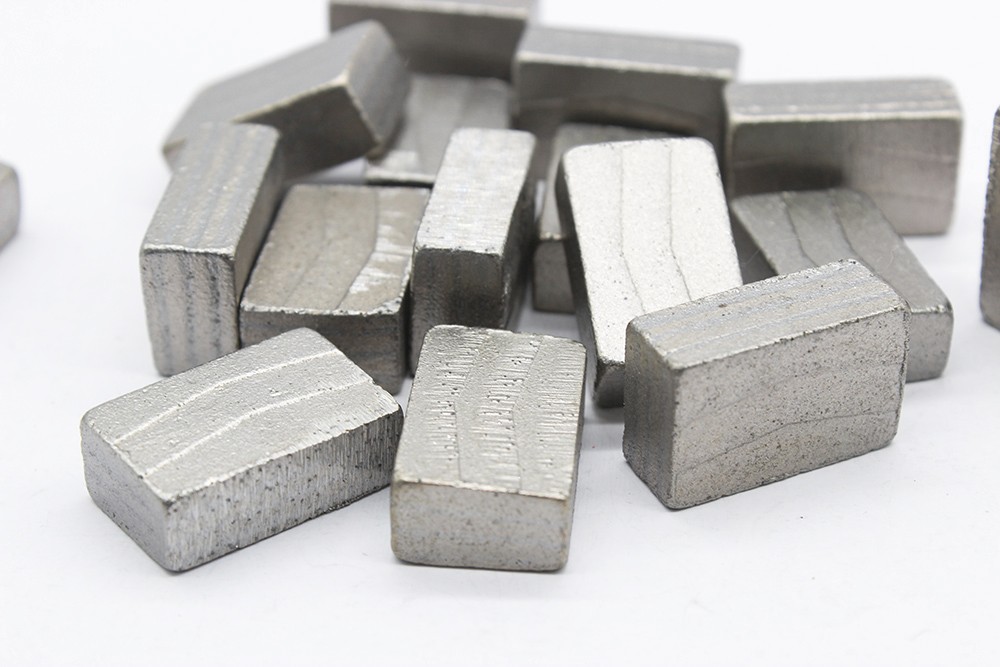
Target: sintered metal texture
[201,464]
[763,382]
[436,107]
[791,231]
[486,470]
[897,141]
[550,284]
[468,259]
[468,37]
[10,203]
[202,242]
[646,227]
[337,260]
[989,299]
[332,102]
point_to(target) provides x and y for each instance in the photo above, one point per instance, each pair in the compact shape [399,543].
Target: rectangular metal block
[471,251]
[486,471]
[337,260]
[791,231]
[332,102]
[467,37]
[551,288]
[762,382]
[989,300]
[437,106]
[227,454]
[897,141]
[202,242]
[646,227]
[10,203]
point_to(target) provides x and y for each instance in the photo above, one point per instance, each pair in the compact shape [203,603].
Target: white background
[888,558]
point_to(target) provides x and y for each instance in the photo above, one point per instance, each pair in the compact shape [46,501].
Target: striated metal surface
[763,382]
[470,253]
[436,107]
[10,203]
[646,227]
[551,288]
[199,248]
[466,37]
[791,231]
[896,140]
[332,102]
[990,289]
[338,260]
[204,463]
[487,464]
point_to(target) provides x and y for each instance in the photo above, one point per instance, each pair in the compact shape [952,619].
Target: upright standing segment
[990,289]
[10,203]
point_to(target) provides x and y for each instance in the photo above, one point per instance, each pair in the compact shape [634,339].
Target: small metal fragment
[10,203]
[763,382]
[436,107]
[791,231]
[337,260]
[467,37]
[332,102]
[204,237]
[897,141]
[201,464]
[486,471]
[646,227]
[990,287]
[550,285]
[472,246]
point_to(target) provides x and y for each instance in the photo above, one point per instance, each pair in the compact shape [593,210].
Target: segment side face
[10,203]
[990,290]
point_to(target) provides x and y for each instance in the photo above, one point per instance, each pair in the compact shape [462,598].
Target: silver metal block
[204,463]
[471,250]
[437,106]
[646,227]
[791,231]
[486,471]
[766,381]
[897,141]
[332,102]
[337,260]
[989,300]
[550,285]
[202,242]
[467,37]
[10,203]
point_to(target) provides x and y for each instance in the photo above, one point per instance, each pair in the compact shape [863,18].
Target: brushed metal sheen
[337,260]
[10,203]
[471,250]
[990,287]
[222,456]
[897,141]
[467,37]
[332,102]
[791,231]
[199,248]
[486,471]
[646,227]
[762,382]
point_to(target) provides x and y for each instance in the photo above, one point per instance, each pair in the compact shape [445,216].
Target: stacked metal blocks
[10,203]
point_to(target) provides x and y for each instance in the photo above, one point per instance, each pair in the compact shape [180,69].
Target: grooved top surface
[519,9]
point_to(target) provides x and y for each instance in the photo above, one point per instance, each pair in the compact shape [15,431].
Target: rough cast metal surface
[470,253]
[486,470]
[202,242]
[990,288]
[332,102]
[646,228]
[763,382]
[467,37]
[337,260]
[897,141]
[791,231]
[550,278]
[10,203]
[204,463]
[437,106]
